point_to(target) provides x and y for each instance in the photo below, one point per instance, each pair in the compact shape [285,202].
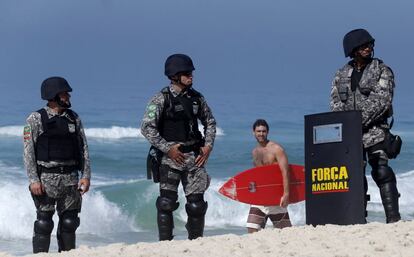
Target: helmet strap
[61,103]
[176,80]
[362,60]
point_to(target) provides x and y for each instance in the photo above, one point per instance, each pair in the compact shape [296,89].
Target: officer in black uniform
[55,149]
[170,124]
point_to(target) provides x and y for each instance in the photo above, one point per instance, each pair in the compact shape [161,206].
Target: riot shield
[334,168]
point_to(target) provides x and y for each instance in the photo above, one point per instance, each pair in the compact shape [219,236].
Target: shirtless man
[265,153]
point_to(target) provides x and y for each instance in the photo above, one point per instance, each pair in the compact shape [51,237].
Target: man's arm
[149,125]
[254,156]
[284,168]
[380,98]
[86,163]
[336,104]
[84,182]
[30,133]
[209,122]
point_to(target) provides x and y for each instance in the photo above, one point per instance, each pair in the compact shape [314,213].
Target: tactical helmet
[356,38]
[53,86]
[177,63]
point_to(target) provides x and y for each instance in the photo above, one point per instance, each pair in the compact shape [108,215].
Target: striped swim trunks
[258,216]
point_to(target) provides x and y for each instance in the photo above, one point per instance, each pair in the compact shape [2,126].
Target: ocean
[273,60]
[120,206]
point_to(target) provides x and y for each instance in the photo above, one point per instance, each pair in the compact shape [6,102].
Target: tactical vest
[179,118]
[346,85]
[59,140]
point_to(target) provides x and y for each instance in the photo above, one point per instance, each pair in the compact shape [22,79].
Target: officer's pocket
[392,145]
[343,93]
[366,89]
[153,164]
[163,174]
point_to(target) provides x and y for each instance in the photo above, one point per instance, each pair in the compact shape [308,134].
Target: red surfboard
[264,185]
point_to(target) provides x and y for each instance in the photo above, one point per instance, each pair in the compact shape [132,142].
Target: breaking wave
[114,132]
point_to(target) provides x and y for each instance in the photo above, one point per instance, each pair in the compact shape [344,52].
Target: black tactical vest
[179,117]
[59,141]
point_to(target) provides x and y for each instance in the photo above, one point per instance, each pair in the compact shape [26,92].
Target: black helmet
[177,63]
[53,86]
[356,38]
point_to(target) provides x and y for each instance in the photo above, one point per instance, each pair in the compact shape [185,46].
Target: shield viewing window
[330,133]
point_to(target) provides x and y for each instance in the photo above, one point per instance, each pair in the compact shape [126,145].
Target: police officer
[55,149]
[170,124]
[365,83]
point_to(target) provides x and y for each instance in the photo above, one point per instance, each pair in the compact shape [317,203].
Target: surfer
[170,124]
[365,83]
[265,153]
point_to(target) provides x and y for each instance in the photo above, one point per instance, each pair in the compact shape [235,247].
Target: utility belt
[57,170]
[380,124]
[391,144]
[190,148]
[155,156]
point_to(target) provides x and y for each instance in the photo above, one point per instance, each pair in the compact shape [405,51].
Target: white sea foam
[17,212]
[223,212]
[405,185]
[100,181]
[100,216]
[114,132]
[16,131]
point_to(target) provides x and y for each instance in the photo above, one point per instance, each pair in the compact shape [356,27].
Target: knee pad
[196,206]
[44,223]
[196,209]
[69,221]
[383,174]
[165,204]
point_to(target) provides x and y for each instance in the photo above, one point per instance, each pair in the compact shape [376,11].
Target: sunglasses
[367,45]
[187,73]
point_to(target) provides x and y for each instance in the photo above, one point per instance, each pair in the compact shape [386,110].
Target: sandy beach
[373,239]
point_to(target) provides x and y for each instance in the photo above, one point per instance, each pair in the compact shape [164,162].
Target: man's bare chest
[265,157]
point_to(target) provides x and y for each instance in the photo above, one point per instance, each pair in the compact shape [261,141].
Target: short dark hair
[260,122]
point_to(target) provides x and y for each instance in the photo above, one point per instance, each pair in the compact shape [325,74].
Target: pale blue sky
[292,46]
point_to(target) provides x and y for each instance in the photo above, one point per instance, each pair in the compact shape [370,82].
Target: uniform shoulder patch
[27,129]
[151,114]
[27,133]
[152,107]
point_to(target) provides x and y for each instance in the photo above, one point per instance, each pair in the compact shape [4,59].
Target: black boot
[366,200]
[196,212]
[389,196]
[384,177]
[43,227]
[68,223]
[165,220]
[195,227]
[367,197]
[66,241]
[41,243]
